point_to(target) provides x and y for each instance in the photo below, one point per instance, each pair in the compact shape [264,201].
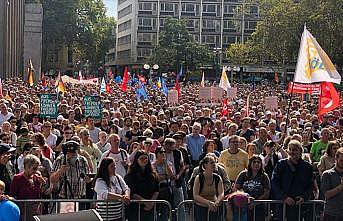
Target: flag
[177,84]
[202,83]
[164,87]
[43,79]
[108,88]
[225,107]
[141,92]
[103,85]
[224,81]
[30,73]
[313,64]
[141,79]
[110,74]
[276,77]
[125,80]
[329,98]
[159,83]
[297,88]
[80,76]
[59,84]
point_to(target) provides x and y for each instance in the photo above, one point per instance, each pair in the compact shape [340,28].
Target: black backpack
[216,179]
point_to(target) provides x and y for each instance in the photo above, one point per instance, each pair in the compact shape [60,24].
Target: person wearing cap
[74,168]
[7,169]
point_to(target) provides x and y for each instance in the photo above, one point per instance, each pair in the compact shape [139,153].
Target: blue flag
[141,92]
[164,87]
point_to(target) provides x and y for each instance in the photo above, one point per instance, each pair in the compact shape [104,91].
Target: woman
[112,187]
[327,161]
[28,185]
[306,141]
[256,183]
[39,140]
[251,149]
[143,182]
[88,146]
[208,192]
[209,147]
[6,128]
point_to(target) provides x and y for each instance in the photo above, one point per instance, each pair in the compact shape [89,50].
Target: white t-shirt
[118,158]
[225,142]
[51,140]
[4,118]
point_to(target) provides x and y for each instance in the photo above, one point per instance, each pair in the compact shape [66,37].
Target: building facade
[11,38]
[217,23]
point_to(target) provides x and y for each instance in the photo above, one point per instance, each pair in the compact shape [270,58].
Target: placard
[48,105]
[93,106]
[205,93]
[216,94]
[232,93]
[173,97]
[271,103]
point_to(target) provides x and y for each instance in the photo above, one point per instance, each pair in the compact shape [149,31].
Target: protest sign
[173,97]
[93,106]
[205,93]
[271,103]
[48,105]
[232,93]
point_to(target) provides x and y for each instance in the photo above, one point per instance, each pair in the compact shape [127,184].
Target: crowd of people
[150,150]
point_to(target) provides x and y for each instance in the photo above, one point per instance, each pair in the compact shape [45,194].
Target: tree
[278,33]
[176,46]
[241,54]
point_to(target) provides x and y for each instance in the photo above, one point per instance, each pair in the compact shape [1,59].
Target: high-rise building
[217,23]
[11,38]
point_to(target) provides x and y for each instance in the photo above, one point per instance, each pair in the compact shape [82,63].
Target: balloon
[9,211]
[118,79]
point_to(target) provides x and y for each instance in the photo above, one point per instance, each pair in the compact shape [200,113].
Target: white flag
[103,85]
[202,83]
[314,65]
[224,81]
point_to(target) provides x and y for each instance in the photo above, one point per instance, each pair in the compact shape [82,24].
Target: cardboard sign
[173,97]
[232,93]
[48,105]
[93,106]
[205,93]
[271,103]
[217,94]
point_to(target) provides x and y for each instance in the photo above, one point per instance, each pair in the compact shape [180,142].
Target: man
[4,114]
[233,159]
[69,172]
[133,134]
[261,140]
[51,138]
[7,170]
[158,132]
[232,130]
[119,155]
[292,180]
[319,146]
[194,142]
[245,131]
[332,187]
[93,131]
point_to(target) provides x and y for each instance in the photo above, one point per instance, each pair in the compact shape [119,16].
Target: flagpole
[289,106]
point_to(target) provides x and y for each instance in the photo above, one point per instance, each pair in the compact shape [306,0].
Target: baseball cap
[5,148]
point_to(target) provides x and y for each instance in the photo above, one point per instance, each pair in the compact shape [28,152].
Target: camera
[70,147]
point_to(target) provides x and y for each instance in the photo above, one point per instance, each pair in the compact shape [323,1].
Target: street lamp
[151,69]
[218,62]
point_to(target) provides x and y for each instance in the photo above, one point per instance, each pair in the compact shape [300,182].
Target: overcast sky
[111,6]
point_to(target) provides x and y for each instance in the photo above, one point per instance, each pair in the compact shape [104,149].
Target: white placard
[205,93]
[271,103]
[172,97]
[232,93]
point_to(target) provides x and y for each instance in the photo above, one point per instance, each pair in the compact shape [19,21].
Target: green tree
[241,54]
[176,46]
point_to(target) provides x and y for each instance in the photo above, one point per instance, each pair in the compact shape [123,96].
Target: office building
[217,23]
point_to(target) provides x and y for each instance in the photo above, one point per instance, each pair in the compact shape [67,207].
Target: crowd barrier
[272,210]
[161,208]
[185,211]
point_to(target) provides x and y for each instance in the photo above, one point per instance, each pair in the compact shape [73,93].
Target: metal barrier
[266,210]
[161,208]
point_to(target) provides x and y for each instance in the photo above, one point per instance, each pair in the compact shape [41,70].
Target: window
[124,26]
[144,52]
[209,8]
[167,7]
[124,54]
[254,10]
[121,2]
[229,9]
[147,23]
[208,24]
[124,40]
[145,6]
[188,7]
[250,25]
[125,11]
[146,37]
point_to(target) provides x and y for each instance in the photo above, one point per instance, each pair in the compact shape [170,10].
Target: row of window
[121,2]
[124,26]
[124,40]
[194,9]
[125,11]
[207,24]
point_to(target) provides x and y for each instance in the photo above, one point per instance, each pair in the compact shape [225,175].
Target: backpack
[216,178]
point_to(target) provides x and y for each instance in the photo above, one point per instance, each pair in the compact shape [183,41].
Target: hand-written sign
[93,106]
[48,105]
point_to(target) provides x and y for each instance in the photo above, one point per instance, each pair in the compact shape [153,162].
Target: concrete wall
[33,38]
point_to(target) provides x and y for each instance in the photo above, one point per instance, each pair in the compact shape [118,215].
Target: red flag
[108,88]
[276,77]
[329,98]
[110,74]
[125,80]
[177,87]
[303,88]
[44,84]
[225,108]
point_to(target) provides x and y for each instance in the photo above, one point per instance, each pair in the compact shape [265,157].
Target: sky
[111,6]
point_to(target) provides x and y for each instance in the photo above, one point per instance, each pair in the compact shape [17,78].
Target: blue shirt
[9,211]
[195,144]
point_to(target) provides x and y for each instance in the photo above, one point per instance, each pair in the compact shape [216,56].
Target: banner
[304,88]
[93,106]
[271,103]
[173,97]
[48,105]
[211,94]
[67,79]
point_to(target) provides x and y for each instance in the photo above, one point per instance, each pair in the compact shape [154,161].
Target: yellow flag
[59,84]
[30,73]
[224,81]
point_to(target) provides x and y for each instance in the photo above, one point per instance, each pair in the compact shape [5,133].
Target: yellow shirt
[233,163]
